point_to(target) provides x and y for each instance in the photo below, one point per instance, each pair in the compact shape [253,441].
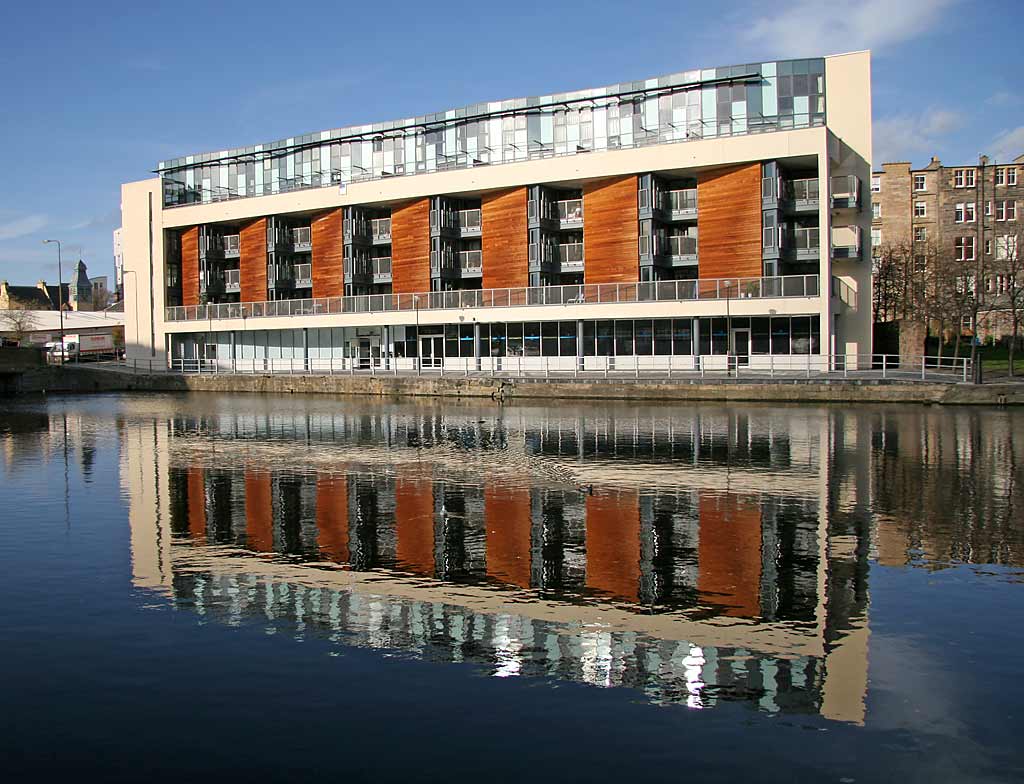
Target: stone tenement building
[970,211]
[78,295]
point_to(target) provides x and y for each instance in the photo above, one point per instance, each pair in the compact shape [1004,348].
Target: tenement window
[965,248]
[920,209]
[876,184]
[876,210]
[920,234]
[876,236]
[964,212]
[920,183]
[1006,210]
[963,178]
[1006,247]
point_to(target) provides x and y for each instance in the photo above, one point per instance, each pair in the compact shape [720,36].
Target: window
[1006,247]
[920,262]
[920,183]
[876,210]
[964,248]
[1011,176]
[988,247]
[963,178]
[920,209]
[876,237]
[920,234]
[988,209]
[1000,176]
[1006,210]
[876,184]
[964,212]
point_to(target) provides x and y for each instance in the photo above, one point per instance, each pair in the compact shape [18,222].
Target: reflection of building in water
[686,556]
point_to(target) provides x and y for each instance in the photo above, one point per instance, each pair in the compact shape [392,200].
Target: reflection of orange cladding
[332,517]
[507,519]
[259,515]
[613,544]
[730,554]
[414,522]
[196,503]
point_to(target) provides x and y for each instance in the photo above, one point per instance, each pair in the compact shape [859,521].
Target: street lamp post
[60,297]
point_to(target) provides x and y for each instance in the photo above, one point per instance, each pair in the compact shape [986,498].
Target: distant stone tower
[80,291]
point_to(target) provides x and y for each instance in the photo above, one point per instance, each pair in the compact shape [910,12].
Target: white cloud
[19,227]
[1009,144]
[901,137]
[812,27]
[1004,99]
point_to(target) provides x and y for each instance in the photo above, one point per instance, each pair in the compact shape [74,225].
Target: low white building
[43,326]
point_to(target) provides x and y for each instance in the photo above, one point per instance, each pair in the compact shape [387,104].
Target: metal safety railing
[752,367]
[585,294]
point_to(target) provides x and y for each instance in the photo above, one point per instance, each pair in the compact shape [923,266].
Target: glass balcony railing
[303,274]
[382,266]
[469,220]
[471,260]
[570,210]
[682,245]
[232,280]
[360,267]
[804,191]
[302,238]
[846,242]
[802,240]
[602,293]
[681,201]
[380,228]
[845,191]
[571,253]
[232,244]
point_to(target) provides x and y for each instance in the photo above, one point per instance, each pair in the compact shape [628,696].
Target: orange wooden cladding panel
[259,512]
[190,266]
[507,519]
[252,262]
[505,240]
[613,544]
[729,222]
[414,524]
[328,255]
[410,247]
[729,554]
[611,231]
[196,504]
[332,517]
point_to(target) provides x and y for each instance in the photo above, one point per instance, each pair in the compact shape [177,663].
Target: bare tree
[1007,286]
[19,323]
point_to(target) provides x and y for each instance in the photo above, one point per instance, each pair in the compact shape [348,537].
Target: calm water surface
[279,588]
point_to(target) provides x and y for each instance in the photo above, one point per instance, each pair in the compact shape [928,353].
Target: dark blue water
[247,587]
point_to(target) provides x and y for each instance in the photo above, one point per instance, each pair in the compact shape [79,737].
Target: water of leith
[283,588]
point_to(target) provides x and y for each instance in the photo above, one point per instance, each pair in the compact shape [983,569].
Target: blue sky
[99,93]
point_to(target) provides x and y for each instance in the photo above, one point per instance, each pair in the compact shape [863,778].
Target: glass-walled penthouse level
[680,107]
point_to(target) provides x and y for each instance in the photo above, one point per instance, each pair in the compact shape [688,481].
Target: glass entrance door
[431,350]
[741,346]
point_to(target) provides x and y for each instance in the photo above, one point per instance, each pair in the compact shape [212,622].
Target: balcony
[382,269]
[232,281]
[846,242]
[232,246]
[469,222]
[845,192]
[356,227]
[280,276]
[803,244]
[302,239]
[380,230]
[570,213]
[303,275]
[682,248]
[570,257]
[471,262]
[801,196]
[681,204]
[582,295]
[359,269]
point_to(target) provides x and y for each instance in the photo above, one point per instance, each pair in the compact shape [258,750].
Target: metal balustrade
[571,253]
[232,280]
[469,220]
[380,228]
[382,266]
[684,368]
[684,200]
[587,294]
[232,244]
[803,191]
[682,245]
[303,274]
[471,260]
[302,237]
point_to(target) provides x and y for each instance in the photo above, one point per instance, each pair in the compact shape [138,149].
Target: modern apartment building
[686,219]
